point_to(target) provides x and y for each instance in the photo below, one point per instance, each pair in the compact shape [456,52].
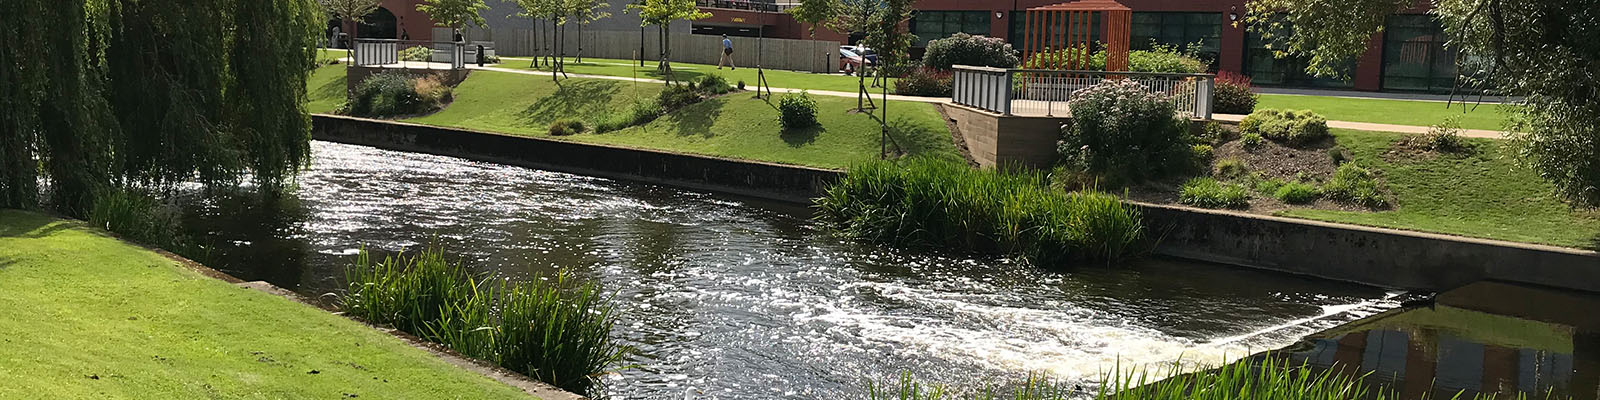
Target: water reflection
[1485,337]
[726,298]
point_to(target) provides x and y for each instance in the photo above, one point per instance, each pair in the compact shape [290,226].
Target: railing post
[1203,98]
[1005,93]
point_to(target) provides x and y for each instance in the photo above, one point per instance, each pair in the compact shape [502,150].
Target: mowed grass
[1485,195]
[326,89]
[1397,112]
[688,71]
[736,125]
[90,317]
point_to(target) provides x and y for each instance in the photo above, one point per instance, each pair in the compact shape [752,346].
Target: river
[733,298]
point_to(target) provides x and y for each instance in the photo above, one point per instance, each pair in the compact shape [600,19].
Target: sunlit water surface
[732,298]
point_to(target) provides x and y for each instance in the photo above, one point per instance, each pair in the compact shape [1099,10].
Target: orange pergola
[1070,25]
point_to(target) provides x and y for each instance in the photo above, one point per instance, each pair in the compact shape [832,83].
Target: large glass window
[1019,23]
[1414,55]
[933,25]
[1179,29]
[1264,68]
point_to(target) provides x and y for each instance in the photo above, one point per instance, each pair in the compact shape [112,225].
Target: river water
[733,298]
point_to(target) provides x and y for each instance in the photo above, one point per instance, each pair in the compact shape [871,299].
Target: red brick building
[394,19]
[1408,56]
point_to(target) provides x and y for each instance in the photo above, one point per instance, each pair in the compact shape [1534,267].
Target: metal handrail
[1044,92]
[384,52]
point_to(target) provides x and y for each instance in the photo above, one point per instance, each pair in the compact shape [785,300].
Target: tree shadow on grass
[801,136]
[332,89]
[696,119]
[571,98]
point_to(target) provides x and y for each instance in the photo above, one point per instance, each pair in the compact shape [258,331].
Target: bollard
[480,56]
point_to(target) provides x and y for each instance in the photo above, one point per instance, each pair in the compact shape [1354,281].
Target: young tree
[350,10]
[814,12]
[852,17]
[585,12]
[661,13]
[887,35]
[540,11]
[1543,51]
[454,14]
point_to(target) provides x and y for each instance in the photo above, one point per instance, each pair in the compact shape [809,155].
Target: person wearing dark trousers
[727,53]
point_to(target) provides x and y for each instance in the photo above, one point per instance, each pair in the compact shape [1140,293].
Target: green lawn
[1383,111]
[736,125]
[90,317]
[332,54]
[684,71]
[1483,195]
[326,89]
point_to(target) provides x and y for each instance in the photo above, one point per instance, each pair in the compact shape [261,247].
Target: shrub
[1233,94]
[417,53]
[640,113]
[553,330]
[1294,127]
[491,59]
[1338,154]
[1297,193]
[964,49]
[1355,185]
[674,97]
[1202,153]
[1121,131]
[711,85]
[1231,168]
[926,82]
[741,84]
[1442,137]
[1212,133]
[1250,141]
[1210,193]
[565,127]
[1055,59]
[940,204]
[797,110]
[393,93]
[1160,58]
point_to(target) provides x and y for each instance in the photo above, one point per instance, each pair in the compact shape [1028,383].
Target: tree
[814,12]
[852,16]
[885,33]
[540,11]
[1543,51]
[661,13]
[585,12]
[350,10]
[93,104]
[454,14]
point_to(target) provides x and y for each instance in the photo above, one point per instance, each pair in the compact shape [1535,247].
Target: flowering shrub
[926,81]
[964,49]
[1233,95]
[1123,132]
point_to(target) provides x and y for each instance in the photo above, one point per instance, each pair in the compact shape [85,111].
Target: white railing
[1034,92]
[386,53]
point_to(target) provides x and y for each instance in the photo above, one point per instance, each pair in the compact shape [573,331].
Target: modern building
[1408,56]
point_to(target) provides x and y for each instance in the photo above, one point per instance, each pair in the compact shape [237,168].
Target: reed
[551,329]
[933,203]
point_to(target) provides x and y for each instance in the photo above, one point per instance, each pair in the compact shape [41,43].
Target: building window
[1266,69]
[1178,29]
[934,25]
[1414,55]
[1019,24]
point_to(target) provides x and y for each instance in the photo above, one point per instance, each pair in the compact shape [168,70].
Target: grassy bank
[687,71]
[736,125]
[88,316]
[1482,194]
[1384,111]
[326,89]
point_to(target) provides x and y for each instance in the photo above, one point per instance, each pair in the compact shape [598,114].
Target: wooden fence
[787,54]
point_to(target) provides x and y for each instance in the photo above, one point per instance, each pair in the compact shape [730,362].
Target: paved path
[1360,126]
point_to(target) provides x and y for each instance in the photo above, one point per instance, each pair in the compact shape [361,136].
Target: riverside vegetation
[549,328]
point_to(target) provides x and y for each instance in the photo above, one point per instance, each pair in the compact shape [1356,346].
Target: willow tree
[1543,51]
[94,103]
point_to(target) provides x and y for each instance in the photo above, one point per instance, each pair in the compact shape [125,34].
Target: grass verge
[89,316]
[1481,194]
[736,125]
[1385,111]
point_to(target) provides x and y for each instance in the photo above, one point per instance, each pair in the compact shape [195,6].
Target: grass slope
[89,316]
[326,89]
[1482,195]
[1384,111]
[736,125]
[687,71]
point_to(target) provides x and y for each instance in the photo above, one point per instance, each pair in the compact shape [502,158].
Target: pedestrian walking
[727,53]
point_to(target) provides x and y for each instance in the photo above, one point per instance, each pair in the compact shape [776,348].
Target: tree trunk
[580,43]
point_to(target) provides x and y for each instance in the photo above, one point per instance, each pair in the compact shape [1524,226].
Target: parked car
[863,51]
[849,61]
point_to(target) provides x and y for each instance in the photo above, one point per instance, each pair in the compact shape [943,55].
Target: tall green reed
[552,329]
[931,203]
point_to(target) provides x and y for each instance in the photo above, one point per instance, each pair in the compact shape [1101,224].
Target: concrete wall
[787,54]
[996,140]
[771,181]
[1375,256]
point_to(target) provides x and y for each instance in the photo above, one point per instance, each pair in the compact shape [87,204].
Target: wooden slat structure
[1070,25]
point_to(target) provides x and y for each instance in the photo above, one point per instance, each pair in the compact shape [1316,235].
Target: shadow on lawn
[333,89]
[697,119]
[573,97]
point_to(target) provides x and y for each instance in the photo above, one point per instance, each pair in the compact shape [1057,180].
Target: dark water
[1485,337]
[726,298]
